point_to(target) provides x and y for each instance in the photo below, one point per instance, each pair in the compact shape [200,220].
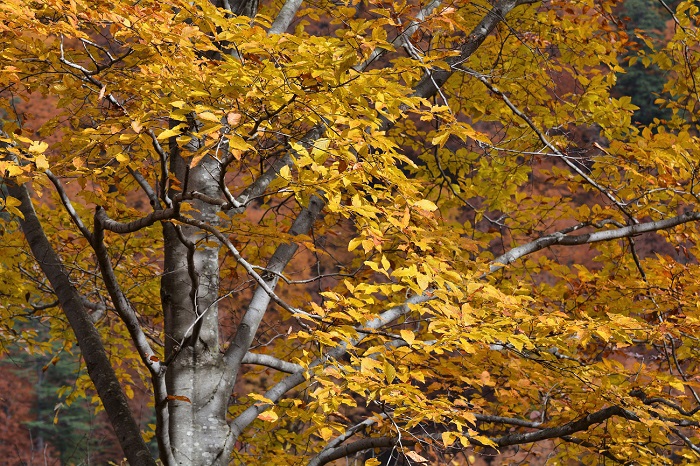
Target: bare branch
[567,429]
[653,400]
[99,308]
[357,446]
[89,76]
[561,239]
[69,206]
[150,193]
[128,316]
[122,305]
[264,286]
[164,175]
[265,291]
[686,440]
[271,362]
[133,226]
[507,420]
[285,17]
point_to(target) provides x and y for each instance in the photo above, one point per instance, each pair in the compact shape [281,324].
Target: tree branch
[292,380]
[133,226]
[429,85]
[507,420]
[649,401]
[561,239]
[128,316]
[404,36]
[357,446]
[331,446]
[150,193]
[272,362]
[69,206]
[285,17]
[567,429]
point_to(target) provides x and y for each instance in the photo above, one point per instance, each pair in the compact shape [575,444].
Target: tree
[357,230]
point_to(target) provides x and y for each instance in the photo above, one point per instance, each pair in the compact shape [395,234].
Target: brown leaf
[233,118]
[416,457]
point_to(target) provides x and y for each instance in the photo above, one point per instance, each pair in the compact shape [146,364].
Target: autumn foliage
[337,229]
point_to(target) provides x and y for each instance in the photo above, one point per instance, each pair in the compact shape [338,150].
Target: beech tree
[322,230]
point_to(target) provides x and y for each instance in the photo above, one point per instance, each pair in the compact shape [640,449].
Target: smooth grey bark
[189,296]
[242,7]
[285,17]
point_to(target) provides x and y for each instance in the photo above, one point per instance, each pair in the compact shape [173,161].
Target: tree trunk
[189,289]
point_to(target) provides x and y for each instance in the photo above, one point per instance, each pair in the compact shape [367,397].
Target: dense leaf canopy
[317,229]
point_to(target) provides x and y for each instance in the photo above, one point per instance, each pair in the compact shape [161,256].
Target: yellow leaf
[237,142]
[197,158]
[13,170]
[208,116]
[326,433]
[406,219]
[285,172]
[677,385]
[603,332]
[426,205]
[373,462]
[448,439]
[389,371]
[441,139]
[367,365]
[385,263]
[484,440]
[11,205]
[38,147]
[268,416]
[168,133]
[41,162]
[423,281]
[408,336]
[136,126]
